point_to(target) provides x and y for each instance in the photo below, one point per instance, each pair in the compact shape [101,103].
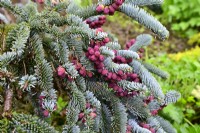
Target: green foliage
[194,40]
[61,104]
[184,71]
[4,125]
[184,16]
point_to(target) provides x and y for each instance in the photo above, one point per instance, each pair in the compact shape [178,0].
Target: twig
[24,67]
[54,70]
[8,103]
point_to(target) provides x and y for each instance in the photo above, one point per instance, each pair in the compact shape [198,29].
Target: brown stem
[8,103]
[24,67]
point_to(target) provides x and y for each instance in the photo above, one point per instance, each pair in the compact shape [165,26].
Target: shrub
[48,54]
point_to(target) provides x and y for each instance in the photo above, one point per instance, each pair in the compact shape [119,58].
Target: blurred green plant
[83,2]
[61,104]
[58,117]
[184,16]
[194,40]
[184,70]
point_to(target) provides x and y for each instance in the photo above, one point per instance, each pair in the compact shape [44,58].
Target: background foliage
[184,70]
[184,16]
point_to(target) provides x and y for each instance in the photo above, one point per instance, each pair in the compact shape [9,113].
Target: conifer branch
[145,19]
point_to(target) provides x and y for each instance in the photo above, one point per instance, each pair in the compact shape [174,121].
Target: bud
[146,126]
[91,51]
[96,48]
[104,72]
[88,21]
[120,90]
[102,17]
[89,74]
[97,53]
[109,75]
[114,76]
[134,75]
[137,80]
[111,10]
[83,120]
[93,58]
[115,6]
[106,10]
[101,58]
[81,115]
[154,112]
[120,72]
[132,41]
[106,40]
[100,8]
[87,105]
[93,115]
[61,71]
[128,128]
[152,130]
[40,1]
[119,2]
[45,113]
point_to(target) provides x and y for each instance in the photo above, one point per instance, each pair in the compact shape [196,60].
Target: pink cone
[81,115]
[89,74]
[104,72]
[91,51]
[132,41]
[96,48]
[128,127]
[134,75]
[93,58]
[87,105]
[120,90]
[61,71]
[45,113]
[119,2]
[152,130]
[109,75]
[115,6]
[93,115]
[97,53]
[120,72]
[101,58]
[137,80]
[100,8]
[106,40]
[154,112]
[146,126]
[102,17]
[111,10]
[114,76]
[106,10]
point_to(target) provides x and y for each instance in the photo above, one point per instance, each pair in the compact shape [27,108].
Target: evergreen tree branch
[144,2]
[14,9]
[148,80]
[145,19]
[155,70]
[141,40]
[29,123]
